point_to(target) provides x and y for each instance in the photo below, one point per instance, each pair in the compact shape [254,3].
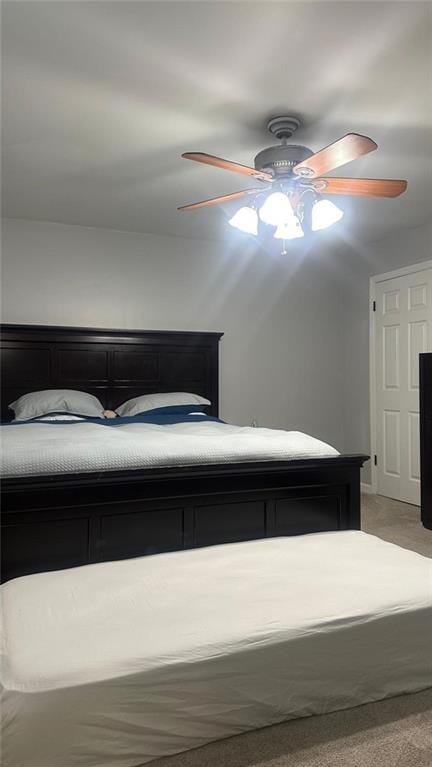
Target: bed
[132,660]
[54,518]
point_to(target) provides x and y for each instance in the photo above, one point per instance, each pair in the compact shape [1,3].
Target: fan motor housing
[281,159]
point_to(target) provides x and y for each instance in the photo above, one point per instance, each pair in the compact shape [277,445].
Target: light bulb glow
[245,219]
[325,214]
[276,209]
[289,231]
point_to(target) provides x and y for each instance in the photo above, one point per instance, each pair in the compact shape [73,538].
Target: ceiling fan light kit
[291,230]
[276,209]
[324,214]
[292,174]
[245,219]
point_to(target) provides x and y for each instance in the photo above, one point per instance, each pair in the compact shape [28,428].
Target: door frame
[373,281]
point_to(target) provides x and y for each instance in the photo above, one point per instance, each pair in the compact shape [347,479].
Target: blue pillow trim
[159,419]
[168,409]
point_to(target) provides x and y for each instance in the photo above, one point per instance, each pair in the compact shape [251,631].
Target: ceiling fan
[293,191]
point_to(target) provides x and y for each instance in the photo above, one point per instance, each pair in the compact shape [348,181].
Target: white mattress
[43,448]
[118,663]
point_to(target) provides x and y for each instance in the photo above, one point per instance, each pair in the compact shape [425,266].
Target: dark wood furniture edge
[426,438]
[251,468]
[116,333]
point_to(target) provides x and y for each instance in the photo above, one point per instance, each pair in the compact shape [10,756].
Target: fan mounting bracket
[283,127]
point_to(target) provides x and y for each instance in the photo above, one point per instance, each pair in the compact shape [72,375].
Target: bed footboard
[51,523]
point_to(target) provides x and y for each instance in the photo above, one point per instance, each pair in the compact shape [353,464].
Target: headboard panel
[115,365]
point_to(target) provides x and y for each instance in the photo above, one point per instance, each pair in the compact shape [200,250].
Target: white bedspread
[39,448]
[115,664]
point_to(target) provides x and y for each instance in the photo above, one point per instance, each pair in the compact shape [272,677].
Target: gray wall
[281,354]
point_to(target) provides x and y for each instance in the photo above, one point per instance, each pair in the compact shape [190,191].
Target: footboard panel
[51,523]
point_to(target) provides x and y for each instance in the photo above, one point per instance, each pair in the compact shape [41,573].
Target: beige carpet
[396,732]
[396,522]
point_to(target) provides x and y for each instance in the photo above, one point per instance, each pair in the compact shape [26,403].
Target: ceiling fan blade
[346,149]
[221,198]
[219,162]
[368,187]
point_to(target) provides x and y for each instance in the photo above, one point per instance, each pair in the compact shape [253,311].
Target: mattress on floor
[119,663]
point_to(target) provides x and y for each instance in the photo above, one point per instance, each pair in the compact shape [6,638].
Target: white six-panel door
[403,329]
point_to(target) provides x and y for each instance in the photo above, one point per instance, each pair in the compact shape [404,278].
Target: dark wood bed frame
[53,522]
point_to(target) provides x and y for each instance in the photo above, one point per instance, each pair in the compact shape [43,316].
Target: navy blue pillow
[175,409]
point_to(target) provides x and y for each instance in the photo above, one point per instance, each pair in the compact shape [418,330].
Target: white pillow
[39,403]
[152,401]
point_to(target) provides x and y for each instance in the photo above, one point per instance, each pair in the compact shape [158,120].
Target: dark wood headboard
[114,365]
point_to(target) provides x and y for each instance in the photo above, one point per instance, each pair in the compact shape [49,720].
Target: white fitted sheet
[35,449]
[118,663]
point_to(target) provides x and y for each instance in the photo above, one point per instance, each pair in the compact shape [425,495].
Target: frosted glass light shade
[324,214]
[245,219]
[289,231]
[276,209]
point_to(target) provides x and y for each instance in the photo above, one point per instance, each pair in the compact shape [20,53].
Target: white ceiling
[101,98]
